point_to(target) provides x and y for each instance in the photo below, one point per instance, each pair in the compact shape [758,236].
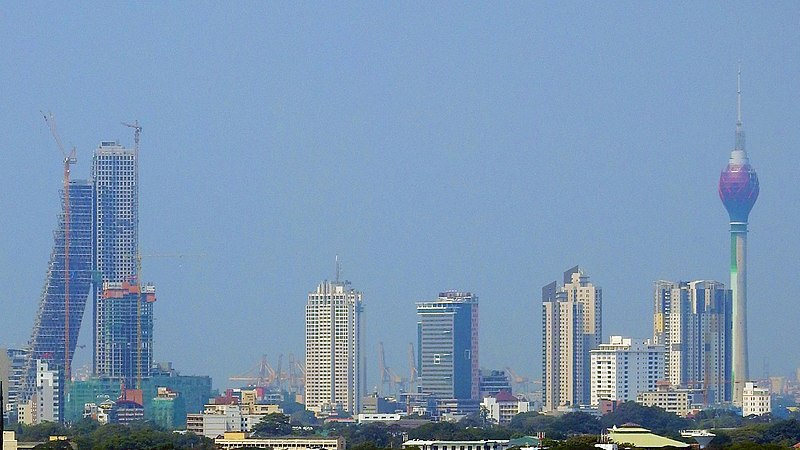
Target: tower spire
[739,130]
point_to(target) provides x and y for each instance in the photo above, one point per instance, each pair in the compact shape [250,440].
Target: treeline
[89,435]
[572,431]
[579,430]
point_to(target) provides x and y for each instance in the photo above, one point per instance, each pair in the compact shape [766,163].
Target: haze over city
[431,147]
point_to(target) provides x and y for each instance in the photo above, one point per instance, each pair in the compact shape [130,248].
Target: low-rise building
[499,444]
[126,412]
[98,412]
[168,409]
[375,404]
[233,440]
[492,382]
[755,400]
[501,408]
[218,419]
[676,401]
[9,440]
[380,418]
[640,438]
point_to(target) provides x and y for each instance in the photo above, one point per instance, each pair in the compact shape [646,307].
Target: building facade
[497,444]
[447,334]
[334,366]
[127,334]
[493,382]
[677,401]
[116,241]
[625,367]
[502,407]
[756,401]
[49,336]
[693,322]
[218,419]
[234,440]
[572,327]
[18,360]
[45,404]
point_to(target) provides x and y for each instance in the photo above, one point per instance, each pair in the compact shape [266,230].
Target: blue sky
[431,145]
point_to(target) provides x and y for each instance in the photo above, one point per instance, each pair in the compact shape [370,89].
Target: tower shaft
[739,288]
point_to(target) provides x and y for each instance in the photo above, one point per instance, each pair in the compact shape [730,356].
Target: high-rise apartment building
[693,322]
[624,368]
[738,190]
[447,334]
[128,338]
[335,370]
[14,360]
[116,239]
[45,404]
[572,327]
[48,339]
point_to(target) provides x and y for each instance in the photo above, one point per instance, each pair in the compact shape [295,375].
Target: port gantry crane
[69,159]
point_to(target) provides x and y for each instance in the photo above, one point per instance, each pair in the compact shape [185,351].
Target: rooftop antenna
[739,130]
[338,268]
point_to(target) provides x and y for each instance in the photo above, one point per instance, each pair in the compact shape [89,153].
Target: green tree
[274,424]
[573,424]
[653,418]
[40,432]
[54,445]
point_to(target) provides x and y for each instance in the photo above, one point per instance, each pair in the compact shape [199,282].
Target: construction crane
[69,159]
[390,376]
[412,364]
[138,280]
[137,130]
[265,375]
[297,375]
[382,367]
[518,380]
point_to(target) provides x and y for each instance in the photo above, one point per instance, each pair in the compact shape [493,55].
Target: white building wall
[755,400]
[9,440]
[623,368]
[334,374]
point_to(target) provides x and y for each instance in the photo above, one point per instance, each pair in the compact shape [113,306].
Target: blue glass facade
[48,337]
[448,346]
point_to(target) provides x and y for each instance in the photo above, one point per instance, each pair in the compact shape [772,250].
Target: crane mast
[137,129]
[69,159]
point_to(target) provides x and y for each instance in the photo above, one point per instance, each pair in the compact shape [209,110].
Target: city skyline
[464,155]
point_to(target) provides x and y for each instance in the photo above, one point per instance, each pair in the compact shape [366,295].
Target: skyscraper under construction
[100,218]
[116,241]
[127,331]
[48,339]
